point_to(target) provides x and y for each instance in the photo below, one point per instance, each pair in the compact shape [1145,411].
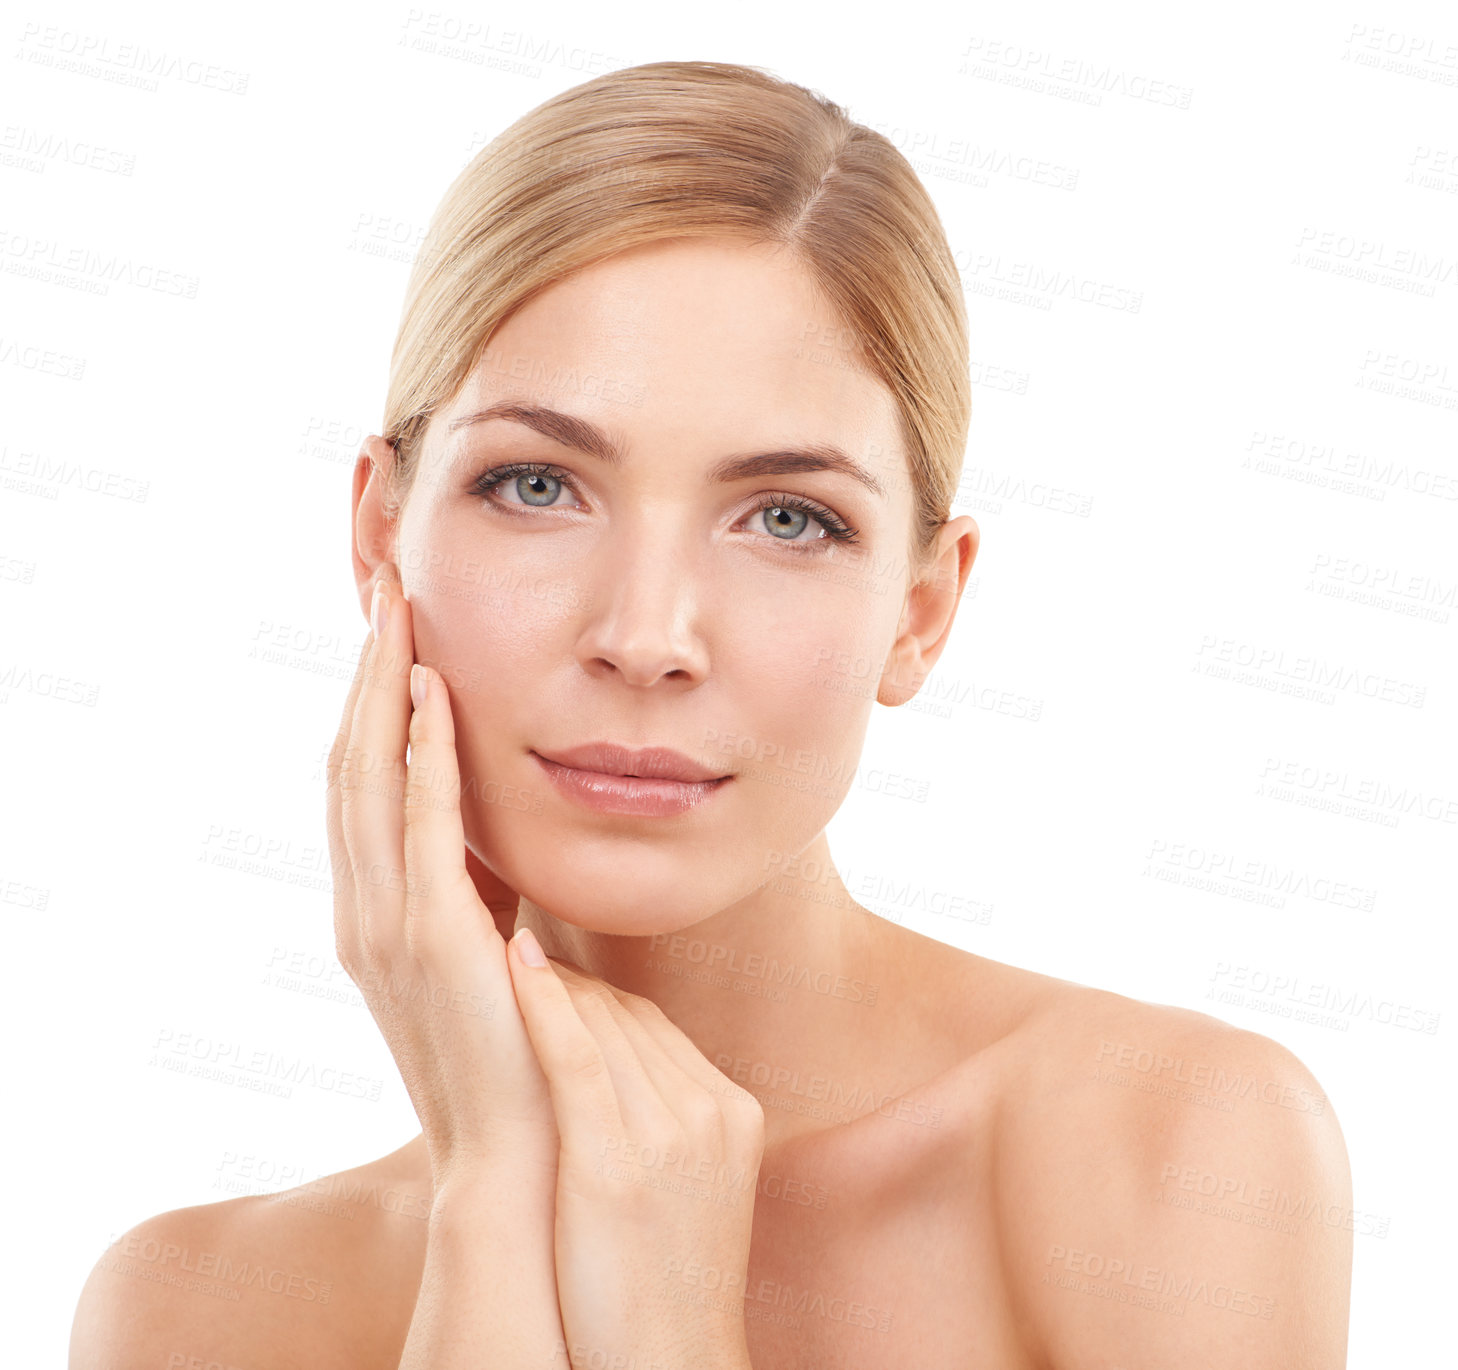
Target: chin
[627,905]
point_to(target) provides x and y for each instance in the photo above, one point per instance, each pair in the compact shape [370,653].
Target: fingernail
[528,948]
[379,611]
[418,685]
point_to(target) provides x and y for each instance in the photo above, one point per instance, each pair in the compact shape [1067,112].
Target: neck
[772,990]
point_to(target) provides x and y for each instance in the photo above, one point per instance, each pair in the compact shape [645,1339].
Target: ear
[931,607]
[372,523]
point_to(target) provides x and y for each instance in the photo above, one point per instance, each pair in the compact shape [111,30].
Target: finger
[663,1068]
[372,774]
[679,1046]
[346,931]
[442,909]
[578,1075]
[678,1068]
[346,719]
[346,913]
[650,1088]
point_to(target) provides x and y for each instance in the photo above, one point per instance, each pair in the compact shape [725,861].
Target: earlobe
[906,668]
[931,608]
[899,684]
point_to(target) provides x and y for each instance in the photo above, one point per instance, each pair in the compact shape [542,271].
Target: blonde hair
[679,149]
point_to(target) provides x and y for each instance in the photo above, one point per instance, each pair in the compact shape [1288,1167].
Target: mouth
[643,782]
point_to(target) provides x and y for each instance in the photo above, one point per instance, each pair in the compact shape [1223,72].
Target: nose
[644,620]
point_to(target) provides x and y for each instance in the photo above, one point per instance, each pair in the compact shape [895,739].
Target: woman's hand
[418,932]
[410,925]
[656,1178]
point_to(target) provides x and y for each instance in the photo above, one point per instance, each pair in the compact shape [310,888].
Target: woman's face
[664,580]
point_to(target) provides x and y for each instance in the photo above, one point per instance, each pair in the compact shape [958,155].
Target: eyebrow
[583,436]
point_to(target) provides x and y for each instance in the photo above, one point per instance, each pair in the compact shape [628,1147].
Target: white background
[201,277]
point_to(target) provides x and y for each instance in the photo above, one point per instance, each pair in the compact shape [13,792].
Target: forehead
[715,341]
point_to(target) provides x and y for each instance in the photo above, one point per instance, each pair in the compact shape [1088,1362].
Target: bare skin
[947,1231]
[963,1162]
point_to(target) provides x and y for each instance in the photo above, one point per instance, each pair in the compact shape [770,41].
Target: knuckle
[643,1007]
[741,1106]
[362,770]
[586,1064]
[350,772]
[754,1116]
[425,916]
[704,1114]
[346,952]
[749,1122]
[378,948]
[670,1137]
[599,997]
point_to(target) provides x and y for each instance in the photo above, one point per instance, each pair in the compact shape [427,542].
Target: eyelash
[836,529]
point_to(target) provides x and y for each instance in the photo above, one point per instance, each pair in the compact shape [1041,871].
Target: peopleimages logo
[1175,1070]
[1222,872]
[1148,1279]
[263,1070]
[758,966]
[166,1259]
[1242,984]
[100,55]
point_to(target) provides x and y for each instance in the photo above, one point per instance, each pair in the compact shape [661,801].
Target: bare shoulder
[1169,1184]
[323,1275]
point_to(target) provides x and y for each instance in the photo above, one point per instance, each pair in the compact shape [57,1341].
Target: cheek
[495,635]
[505,800]
[798,695]
[481,619]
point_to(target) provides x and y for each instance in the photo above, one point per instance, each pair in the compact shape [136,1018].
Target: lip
[643,781]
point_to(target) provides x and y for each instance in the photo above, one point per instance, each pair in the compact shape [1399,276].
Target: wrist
[497,1183]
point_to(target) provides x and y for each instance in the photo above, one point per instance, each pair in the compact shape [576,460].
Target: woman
[677,409]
